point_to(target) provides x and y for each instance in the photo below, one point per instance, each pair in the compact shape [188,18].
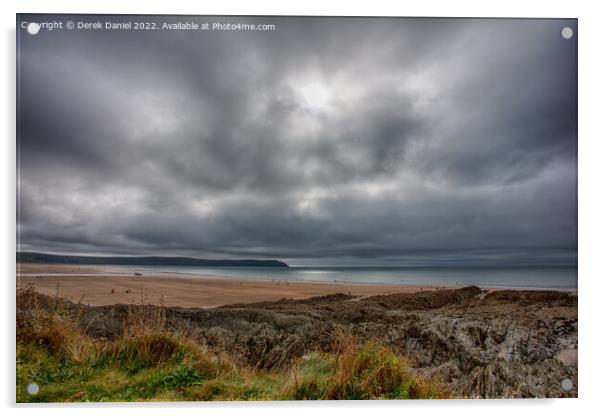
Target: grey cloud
[331,140]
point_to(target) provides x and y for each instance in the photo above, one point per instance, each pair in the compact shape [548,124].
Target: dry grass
[147,361]
[359,371]
[50,327]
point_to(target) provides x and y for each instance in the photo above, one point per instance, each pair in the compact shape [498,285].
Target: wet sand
[109,285]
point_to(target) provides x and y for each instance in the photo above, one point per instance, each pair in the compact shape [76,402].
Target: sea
[553,277]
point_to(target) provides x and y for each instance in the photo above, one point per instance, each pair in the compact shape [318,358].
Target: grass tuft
[149,362]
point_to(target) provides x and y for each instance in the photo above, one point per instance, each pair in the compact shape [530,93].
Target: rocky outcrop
[479,343]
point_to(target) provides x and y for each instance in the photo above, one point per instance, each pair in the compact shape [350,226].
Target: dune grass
[150,363]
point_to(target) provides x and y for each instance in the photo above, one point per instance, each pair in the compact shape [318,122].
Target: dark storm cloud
[380,141]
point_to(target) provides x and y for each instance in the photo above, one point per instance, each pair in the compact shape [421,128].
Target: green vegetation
[148,362]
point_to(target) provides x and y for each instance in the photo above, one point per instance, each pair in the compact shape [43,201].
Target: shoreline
[98,285]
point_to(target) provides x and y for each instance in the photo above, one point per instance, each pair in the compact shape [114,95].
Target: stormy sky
[328,141]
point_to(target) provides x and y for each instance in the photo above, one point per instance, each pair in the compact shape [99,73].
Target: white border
[590,206]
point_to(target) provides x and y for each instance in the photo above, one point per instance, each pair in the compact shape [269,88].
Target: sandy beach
[100,285]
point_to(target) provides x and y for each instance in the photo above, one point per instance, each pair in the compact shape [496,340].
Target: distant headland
[30,257]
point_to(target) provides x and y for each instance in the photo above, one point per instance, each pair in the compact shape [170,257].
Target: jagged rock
[480,344]
[104,325]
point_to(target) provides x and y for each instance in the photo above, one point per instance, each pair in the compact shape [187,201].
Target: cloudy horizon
[329,141]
